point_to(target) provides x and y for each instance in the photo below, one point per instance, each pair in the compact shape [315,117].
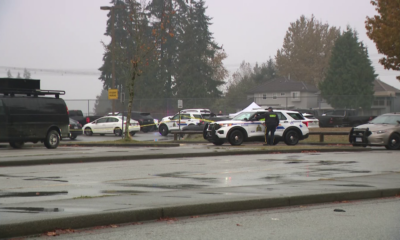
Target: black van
[27,115]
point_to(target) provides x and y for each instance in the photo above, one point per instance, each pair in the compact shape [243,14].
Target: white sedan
[310,120]
[110,125]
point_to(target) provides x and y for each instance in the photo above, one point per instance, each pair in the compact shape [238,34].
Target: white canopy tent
[252,106]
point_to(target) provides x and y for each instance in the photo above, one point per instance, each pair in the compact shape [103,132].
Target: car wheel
[73,137]
[292,137]
[118,132]
[218,143]
[393,142]
[132,134]
[52,139]
[17,145]
[163,130]
[236,138]
[88,132]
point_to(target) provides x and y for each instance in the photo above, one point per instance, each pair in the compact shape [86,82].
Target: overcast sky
[61,35]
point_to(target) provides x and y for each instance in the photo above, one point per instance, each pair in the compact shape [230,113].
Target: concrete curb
[119,217]
[87,159]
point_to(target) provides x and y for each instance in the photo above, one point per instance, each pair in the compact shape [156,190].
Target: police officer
[271,123]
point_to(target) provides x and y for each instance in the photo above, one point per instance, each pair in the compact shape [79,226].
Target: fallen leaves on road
[312,151]
[194,216]
[238,225]
[57,232]
[113,226]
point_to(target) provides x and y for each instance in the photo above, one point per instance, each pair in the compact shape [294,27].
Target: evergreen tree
[266,72]
[26,74]
[18,75]
[349,80]
[102,105]
[306,50]
[120,38]
[175,10]
[9,75]
[196,76]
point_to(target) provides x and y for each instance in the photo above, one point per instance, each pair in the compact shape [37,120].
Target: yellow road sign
[112,93]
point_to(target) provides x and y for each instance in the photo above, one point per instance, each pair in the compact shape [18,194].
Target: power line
[56,71]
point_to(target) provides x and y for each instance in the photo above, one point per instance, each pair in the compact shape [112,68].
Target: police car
[187,117]
[244,127]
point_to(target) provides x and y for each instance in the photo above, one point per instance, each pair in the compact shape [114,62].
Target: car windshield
[244,115]
[386,119]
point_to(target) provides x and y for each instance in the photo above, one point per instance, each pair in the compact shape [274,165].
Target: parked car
[145,120]
[244,127]
[383,130]
[75,129]
[110,125]
[310,120]
[186,117]
[343,118]
[78,116]
[29,114]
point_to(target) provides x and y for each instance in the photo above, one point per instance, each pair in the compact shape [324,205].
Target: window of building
[295,95]
[264,96]
[282,94]
[274,96]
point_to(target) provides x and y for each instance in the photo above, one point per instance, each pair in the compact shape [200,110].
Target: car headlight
[380,131]
[225,124]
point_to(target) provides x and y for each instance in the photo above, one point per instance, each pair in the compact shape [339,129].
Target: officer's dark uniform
[271,123]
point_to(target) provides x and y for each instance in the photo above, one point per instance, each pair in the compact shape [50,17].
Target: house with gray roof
[285,93]
[386,98]
[290,94]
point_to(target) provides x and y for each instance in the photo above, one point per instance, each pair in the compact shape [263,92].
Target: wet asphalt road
[83,180]
[140,136]
[373,219]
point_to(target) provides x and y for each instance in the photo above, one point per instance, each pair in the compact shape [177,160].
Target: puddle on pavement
[352,185]
[179,196]
[179,175]
[122,191]
[30,194]
[335,162]
[340,170]
[211,193]
[54,179]
[33,178]
[30,209]
[172,186]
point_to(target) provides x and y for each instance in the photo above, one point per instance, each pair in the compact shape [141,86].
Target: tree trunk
[129,110]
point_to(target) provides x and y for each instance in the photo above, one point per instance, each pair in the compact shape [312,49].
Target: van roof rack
[31,92]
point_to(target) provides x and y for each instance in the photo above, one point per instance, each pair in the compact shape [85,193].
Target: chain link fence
[162,107]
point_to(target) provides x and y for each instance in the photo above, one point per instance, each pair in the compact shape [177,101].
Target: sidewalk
[20,219]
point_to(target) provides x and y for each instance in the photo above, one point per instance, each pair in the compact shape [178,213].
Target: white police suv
[244,127]
[187,117]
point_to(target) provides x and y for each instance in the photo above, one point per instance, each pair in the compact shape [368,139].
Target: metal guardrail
[321,134]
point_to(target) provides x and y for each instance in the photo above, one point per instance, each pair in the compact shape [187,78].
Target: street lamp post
[113,47]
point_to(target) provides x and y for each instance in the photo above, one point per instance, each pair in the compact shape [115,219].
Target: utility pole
[112,47]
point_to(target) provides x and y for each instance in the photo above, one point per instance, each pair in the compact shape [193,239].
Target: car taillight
[87,120]
[331,120]
[305,123]
[67,110]
[129,124]
[370,118]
